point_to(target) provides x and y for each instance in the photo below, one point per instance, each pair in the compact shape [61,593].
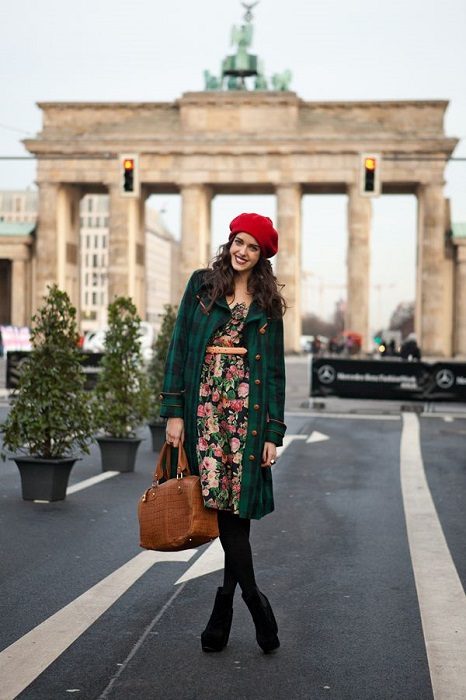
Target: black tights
[239,568]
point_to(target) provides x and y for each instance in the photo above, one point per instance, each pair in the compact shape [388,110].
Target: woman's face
[244,252]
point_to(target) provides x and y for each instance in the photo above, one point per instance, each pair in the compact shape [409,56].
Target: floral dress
[222,417]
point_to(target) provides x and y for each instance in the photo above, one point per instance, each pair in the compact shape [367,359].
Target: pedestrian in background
[391,350]
[224,395]
[410,350]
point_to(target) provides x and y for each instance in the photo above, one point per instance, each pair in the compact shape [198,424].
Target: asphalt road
[334,558]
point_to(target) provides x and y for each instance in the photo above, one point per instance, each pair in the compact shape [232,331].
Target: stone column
[126,249]
[195,230]
[137,254]
[69,277]
[46,241]
[358,264]
[19,293]
[460,299]
[434,275]
[57,243]
[288,268]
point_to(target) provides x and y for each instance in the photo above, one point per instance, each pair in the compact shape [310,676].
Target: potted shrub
[156,374]
[122,392]
[51,416]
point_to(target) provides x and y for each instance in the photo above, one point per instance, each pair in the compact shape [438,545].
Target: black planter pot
[157,431]
[118,454]
[44,479]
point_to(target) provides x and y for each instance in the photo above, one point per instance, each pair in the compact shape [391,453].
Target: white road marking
[85,484]
[448,419]
[90,482]
[287,440]
[211,560]
[358,416]
[25,659]
[452,416]
[442,601]
[315,436]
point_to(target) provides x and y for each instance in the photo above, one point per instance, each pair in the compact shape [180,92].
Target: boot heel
[264,621]
[217,632]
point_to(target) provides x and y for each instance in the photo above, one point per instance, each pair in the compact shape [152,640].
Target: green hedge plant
[51,415]
[122,391]
[156,368]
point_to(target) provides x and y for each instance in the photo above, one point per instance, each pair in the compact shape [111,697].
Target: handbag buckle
[179,475]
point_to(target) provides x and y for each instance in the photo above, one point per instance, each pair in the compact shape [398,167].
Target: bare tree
[402,318]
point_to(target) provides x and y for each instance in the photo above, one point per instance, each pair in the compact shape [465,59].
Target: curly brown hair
[262,283]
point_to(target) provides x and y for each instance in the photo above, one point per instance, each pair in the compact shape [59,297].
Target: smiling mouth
[240,260]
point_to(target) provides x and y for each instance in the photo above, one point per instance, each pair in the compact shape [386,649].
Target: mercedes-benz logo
[445,378]
[326,374]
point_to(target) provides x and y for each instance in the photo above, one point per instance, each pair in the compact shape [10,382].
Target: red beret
[261,228]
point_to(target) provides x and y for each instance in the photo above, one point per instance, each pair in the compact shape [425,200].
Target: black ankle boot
[264,620]
[215,636]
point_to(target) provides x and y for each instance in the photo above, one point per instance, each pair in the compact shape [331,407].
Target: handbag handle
[163,467]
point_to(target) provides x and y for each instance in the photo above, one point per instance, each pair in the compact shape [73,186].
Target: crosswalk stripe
[25,659]
[442,601]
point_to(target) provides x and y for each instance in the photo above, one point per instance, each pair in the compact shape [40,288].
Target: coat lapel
[221,311]
[255,313]
[222,302]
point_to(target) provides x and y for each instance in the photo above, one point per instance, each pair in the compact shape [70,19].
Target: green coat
[263,338]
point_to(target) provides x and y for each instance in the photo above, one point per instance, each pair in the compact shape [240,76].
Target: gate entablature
[242,113]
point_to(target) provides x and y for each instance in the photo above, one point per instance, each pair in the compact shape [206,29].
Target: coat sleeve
[173,391]
[275,429]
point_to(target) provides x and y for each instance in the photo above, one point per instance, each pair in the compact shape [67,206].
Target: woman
[224,395]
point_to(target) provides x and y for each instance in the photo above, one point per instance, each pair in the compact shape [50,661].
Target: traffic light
[129,183]
[128,177]
[369,178]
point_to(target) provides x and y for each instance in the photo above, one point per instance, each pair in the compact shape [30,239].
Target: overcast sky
[336,49]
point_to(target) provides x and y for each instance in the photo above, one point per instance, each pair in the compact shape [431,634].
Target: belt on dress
[217,350]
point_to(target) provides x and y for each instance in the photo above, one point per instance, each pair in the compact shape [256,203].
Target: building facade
[162,261]
[18,223]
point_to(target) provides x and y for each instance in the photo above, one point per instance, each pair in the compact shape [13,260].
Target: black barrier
[388,379]
[16,358]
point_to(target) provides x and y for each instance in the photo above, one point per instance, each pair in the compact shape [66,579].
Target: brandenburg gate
[249,142]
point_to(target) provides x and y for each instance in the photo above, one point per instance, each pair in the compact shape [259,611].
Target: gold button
[256,407]
[262,330]
[252,458]
[257,381]
[254,432]
[258,357]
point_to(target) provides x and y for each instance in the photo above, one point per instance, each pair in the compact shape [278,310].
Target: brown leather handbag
[172,515]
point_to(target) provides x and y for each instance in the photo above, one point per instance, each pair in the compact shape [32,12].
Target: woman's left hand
[269,454]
